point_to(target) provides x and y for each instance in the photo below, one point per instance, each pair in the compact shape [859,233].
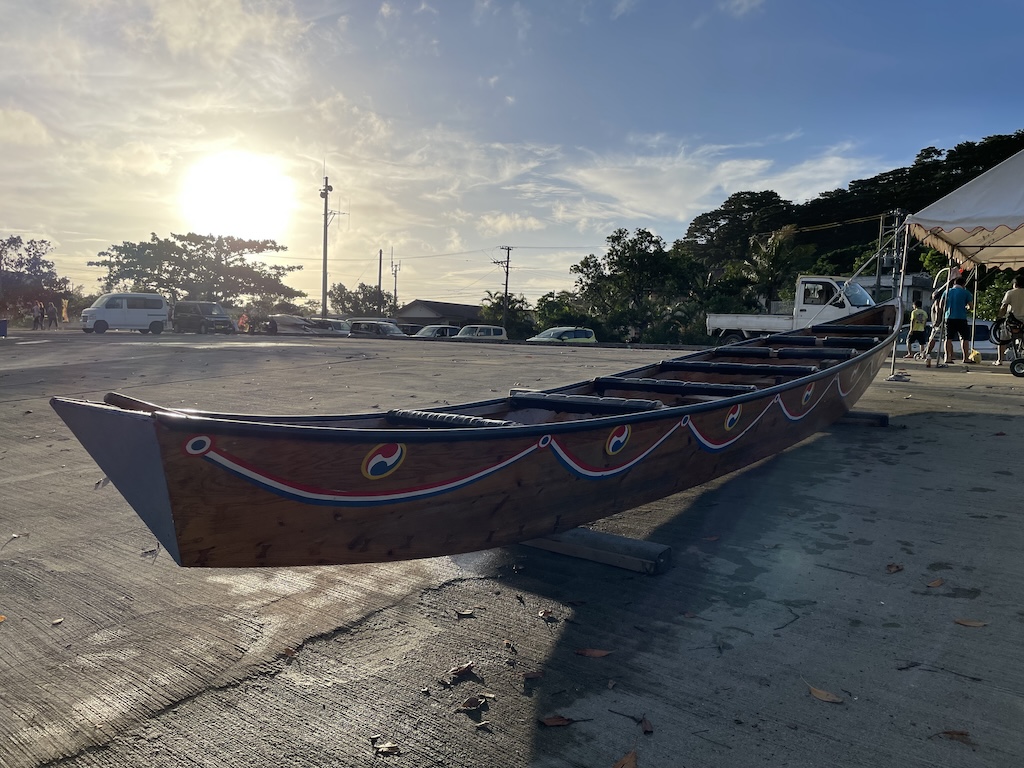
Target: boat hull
[238,492]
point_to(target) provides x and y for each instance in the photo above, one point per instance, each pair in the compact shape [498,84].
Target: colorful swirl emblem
[199,445]
[617,439]
[733,416]
[383,460]
[808,391]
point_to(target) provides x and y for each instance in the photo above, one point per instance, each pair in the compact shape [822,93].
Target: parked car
[330,326]
[982,340]
[482,333]
[313,326]
[376,329]
[568,335]
[436,332]
[201,317]
[142,312]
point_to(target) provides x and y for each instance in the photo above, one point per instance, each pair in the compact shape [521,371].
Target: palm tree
[774,262]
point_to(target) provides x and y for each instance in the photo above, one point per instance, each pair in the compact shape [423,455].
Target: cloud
[22,129]
[139,159]
[739,8]
[523,21]
[658,186]
[491,224]
[622,7]
[216,32]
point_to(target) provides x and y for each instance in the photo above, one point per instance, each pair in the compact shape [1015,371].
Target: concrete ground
[840,568]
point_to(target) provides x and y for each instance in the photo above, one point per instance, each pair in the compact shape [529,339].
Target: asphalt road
[842,564]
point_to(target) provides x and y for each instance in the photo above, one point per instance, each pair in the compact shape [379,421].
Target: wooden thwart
[671,386]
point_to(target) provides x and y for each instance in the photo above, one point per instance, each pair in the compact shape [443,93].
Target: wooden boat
[228,490]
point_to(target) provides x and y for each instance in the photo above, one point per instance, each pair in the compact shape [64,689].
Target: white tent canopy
[982,222]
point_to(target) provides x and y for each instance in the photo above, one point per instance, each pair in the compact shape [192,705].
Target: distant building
[916,287]
[421,312]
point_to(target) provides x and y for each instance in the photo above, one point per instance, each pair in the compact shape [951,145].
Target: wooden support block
[620,551]
[865,419]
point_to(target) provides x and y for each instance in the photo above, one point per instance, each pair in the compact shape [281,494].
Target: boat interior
[697,378]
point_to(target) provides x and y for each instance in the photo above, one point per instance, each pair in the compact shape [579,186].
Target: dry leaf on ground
[893,568]
[593,653]
[628,760]
[470,704]
[970,623]
[710,538]
[556,720]
[822,695]
[964,737]
[55,622]
[547,614]
[645,726]
[462,669]
[387,748]
[466,614]
[936,583]
[2,617]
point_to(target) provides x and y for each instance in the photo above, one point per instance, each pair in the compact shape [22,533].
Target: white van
[481,333]
[142,312]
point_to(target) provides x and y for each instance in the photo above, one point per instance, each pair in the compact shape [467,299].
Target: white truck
[818,299]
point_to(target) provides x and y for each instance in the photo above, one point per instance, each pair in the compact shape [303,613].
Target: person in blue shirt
[958,302]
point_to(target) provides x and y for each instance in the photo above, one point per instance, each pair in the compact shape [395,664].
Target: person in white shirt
[1013,302]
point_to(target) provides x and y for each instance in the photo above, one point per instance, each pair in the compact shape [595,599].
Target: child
[918,321]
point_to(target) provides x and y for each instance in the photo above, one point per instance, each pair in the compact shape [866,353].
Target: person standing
[918,321]
[958,301]
[37,316]
[1012,303]
[51,317]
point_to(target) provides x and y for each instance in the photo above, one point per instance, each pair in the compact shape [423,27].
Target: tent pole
[905,245]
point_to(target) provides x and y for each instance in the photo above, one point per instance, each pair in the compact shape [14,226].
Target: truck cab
[817,299]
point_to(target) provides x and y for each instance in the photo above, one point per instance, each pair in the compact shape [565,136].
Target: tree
[774,261]
[563,308]
[26,276]
[990,297]
[364,301]
[519,323]
[634,285]
[722,236]
[200,267]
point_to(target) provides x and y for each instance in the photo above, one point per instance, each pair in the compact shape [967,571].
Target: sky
[452,130]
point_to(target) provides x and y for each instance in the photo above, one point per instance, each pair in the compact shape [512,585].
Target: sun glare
[238,194]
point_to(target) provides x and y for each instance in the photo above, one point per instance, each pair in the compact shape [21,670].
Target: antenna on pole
[508,258]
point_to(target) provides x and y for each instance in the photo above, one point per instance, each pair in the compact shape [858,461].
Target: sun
[238,194]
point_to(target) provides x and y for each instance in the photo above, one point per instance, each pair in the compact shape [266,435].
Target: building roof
[440,310]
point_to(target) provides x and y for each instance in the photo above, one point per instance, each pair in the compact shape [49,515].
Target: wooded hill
[748,251]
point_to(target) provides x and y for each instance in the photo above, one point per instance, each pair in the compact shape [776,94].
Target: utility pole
[395,268]
[380,275]
[508,258]
[325,193]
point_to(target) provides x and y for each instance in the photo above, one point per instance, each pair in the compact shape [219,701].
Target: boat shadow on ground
[763,560]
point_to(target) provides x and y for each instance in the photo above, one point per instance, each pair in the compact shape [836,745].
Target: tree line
[735,258]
